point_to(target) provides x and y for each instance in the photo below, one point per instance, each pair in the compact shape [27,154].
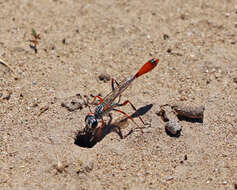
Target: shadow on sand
[88,140]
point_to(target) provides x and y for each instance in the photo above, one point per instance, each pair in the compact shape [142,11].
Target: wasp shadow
[142,111]
[88,140]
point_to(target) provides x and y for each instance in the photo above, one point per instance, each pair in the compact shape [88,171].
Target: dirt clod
[104,77]
[189,111]
[73,103]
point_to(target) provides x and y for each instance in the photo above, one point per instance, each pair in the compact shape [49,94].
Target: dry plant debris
[43,109]
[104,77]
[35,41]
[60,166]
[5,69]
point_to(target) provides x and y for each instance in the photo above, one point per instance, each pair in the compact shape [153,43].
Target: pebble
[60,167]
[165,36]
[104,77]
[170,178]
[224,182]
[227,14]
[173,127]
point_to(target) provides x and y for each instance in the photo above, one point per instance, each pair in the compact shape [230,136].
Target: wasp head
[91,121]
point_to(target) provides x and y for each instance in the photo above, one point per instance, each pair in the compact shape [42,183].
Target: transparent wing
[109,98]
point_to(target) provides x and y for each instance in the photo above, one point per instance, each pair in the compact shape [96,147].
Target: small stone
[173,127]
[60,167]
[52,47]
[224,182]
[227,14]
[166,36]
[183,16]
[169,50]
[170,178]
[185,157]
[104,77]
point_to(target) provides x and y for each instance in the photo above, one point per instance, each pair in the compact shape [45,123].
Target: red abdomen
[148,66]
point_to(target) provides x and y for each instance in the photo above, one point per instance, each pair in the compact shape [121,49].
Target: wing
[109,98]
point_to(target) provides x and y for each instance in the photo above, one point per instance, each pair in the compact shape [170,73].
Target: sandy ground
[196,43]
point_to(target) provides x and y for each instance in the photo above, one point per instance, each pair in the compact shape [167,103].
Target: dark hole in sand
[84,140]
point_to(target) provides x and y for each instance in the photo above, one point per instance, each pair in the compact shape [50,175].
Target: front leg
[98,134]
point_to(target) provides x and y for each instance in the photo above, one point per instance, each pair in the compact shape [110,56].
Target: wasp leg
[128,116]
[112,83]
[100,100]
[113,88]
[128,102]
[100,129]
